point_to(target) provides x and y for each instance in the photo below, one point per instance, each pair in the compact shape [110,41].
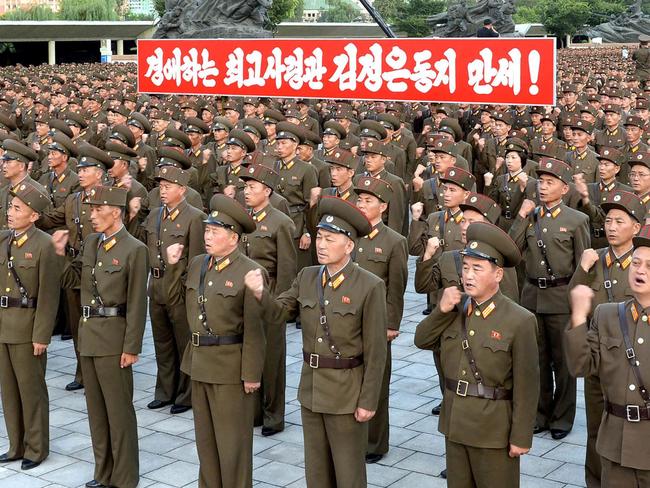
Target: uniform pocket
[378,258]
[496,345]
[113,268]
[306,302]
[343,309]
[611,342]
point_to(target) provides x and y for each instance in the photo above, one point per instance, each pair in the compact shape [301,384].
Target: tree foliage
[410,16]
[88,10]
[340,11]
[36,12]
[159,7]
[283,10]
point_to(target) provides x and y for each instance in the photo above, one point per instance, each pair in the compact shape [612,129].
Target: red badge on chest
[115,262]
[345,299]
[229,284]
[495,335]
[28,255]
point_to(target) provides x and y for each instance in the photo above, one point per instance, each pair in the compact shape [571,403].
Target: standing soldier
[226,356]
[553,237]
[491,375]
[271,246]
[382,252]
[582,159]
[613,348]
[140,127]
[343,309]
[634,130]
[341,169]
[31,285]
[605,271]
[61,181]
[174,222]
[112,275]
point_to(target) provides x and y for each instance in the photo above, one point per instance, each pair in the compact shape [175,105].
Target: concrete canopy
[63,30]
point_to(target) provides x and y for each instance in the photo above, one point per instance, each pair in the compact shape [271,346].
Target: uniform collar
[222,263]
[109,242]
[605,187]
[485,309]
[553,212]
[457,217]
[20,239]
[336,280]
[261,215]
[376,230]
[622,261]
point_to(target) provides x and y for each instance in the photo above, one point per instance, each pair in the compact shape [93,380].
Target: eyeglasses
[634,174]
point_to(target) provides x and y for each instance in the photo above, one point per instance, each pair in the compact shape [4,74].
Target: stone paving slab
[168,457]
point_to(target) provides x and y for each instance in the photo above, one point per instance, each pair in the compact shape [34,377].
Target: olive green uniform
[25,401]
[114,271]
[598,194]
[223,412]
[354,301]
[171,333]
[478,430]
[564,232]
[395,216]
[59,187]
[383,252]
[271,246]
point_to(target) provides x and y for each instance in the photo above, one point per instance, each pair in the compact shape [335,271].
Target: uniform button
[92,302]
[615,281]
[542,262]
[361,249]
[638,363]
[7,290]
[463,372]
[640,340]
[477,313]
[544,229]
[281,179]
[327,302]
[644,318]
[99,264]
[618,265]
[164,230]
[320,339]
[632,387]
[85,320]
[201,317]
[330,283]
[209,283]
[471,333]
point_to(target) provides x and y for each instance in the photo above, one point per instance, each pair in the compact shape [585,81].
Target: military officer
[61,181]
[612,347]
[73,219]
[226,178]
[343,309]
[271,246]
[640,178]
[582,159]
[634,130]
[29,304]
[225,358]
[112,275]
[605,271]
[553,237]
[384,253]
[612,135]
[140,127]
[491,374]
[341,168]
[174,222]
[171,157]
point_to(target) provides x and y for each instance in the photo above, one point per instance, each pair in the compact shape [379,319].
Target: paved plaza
[168,454]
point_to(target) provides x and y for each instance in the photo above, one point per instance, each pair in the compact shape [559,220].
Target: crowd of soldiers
[225,219]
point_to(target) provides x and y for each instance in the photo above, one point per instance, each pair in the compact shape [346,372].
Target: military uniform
[585,163]
[563,234]
[227,348]
[112,275]
[163,227]
[353,302]
[30,287]
[384,253]
[271,246]
[491,382]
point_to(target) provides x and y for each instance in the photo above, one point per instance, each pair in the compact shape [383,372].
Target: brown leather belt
[464,388]
[157,272]
[631,413]
[88,312]
[10,302]
[316,361]
[215,340]
[543,283]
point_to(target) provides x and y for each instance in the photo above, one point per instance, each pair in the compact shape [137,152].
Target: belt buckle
[195,339]
[633,413]
[85,311]
[4,301]
[629,353]
[541,283]
[313,360]
[607,284]
[540,243]
[442,242]
[596,232]
[508,214]
[155,272]
[200,299]
[462,387]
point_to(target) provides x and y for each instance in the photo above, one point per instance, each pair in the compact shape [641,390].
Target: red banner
[491,71]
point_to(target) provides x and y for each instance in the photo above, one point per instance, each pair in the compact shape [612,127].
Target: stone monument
[462,21]
[623,28]
[213,19]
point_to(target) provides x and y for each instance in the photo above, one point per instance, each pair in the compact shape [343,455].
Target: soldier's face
[607,170]
[103,217]
[159,125]
[249,110]
[255,193]
[453,195]
[42,129]
[612,119]
[548,127]
[207,116]
[232,116]
[220,135]
[19,216]
[219,241]
[586,116]
[195,138]
[170,193]
[12,169]
[56,158]
[640,179]
[136,131]
[469,217]
[332,247]
[639,275]
[374,163]
[570,98]
[305,152]
[233,153]
[551,189]
[286,148]
[89,176]
[340,175]
[330,141]
[620,228]
[371,206]
[633,133]
[270,129]
[481,278]
[535,118]
[501,128]
[580,138]
[443,161]
[513,161]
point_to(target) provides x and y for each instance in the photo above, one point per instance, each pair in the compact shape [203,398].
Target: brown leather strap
[631,413]
[10,302]
[317,361]
[215,340]
[464,388]
[88,312]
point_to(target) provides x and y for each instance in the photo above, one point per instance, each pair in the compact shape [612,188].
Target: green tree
[159,7]
[564,17]
[282,10]
[88,10]
[37,12]
[340,11]
[390,10]
[413,19]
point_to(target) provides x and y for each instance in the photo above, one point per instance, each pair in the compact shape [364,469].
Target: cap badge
[473,245]
[22,187]
[366,183]
[164,170]
[329,219]
[617,198]
[606,153]
[549,165]
[337,155]
[473,199]
[251,170]
[215,213]
[452,173]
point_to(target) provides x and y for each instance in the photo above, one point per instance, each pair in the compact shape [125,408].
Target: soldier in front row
[343,310]
[491,376]
[614,347]
[30,279]
[111,273]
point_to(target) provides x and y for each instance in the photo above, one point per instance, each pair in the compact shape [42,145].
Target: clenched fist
[588,259]
[487,178]
[433,244]
[174,253]
[526,207]
[254,281]
[60,240]
[450,298]
[581,297]
[417,209]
